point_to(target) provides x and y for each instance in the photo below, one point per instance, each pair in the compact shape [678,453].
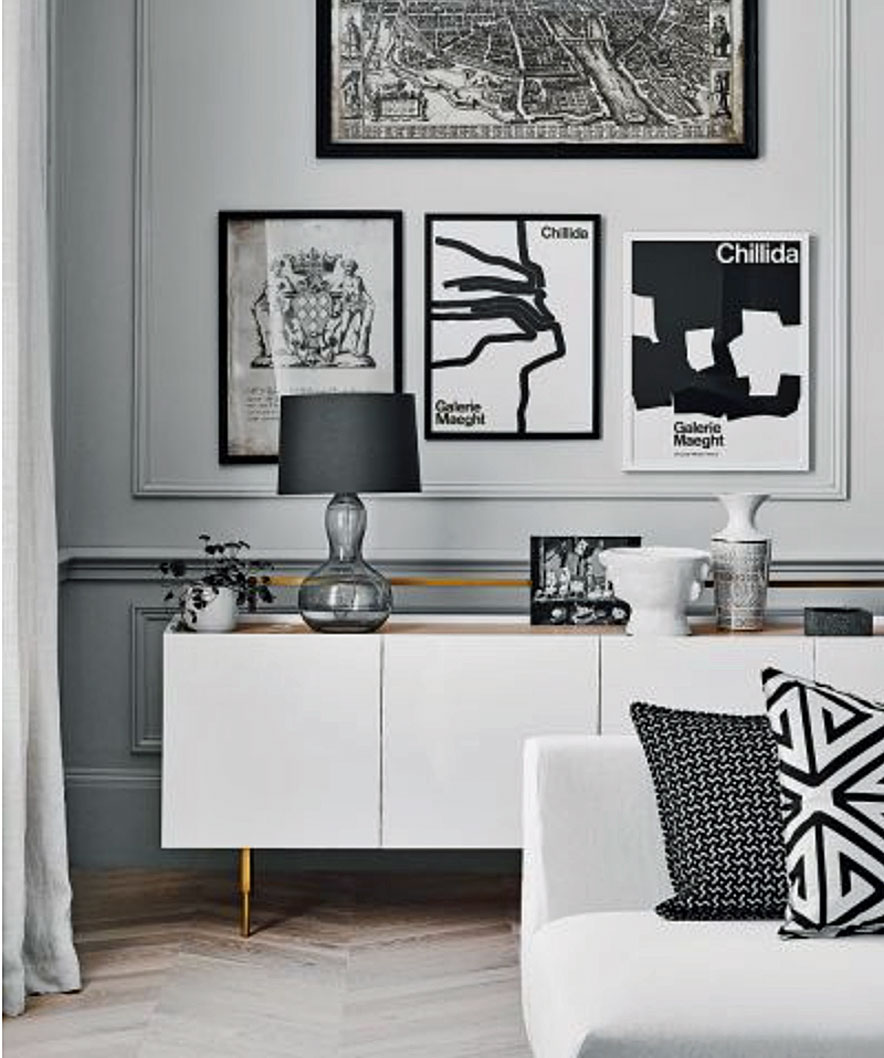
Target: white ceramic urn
[658,583]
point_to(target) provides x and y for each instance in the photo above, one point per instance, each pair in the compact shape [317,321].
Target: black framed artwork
[569,585]
[522,78]
[511,327]
[310,302]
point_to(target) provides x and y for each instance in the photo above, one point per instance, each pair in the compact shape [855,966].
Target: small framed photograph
[717,370]
[537,78]
[569,586]
[310,302]
[512,327]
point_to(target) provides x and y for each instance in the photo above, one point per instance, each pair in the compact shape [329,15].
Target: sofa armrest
[591,834]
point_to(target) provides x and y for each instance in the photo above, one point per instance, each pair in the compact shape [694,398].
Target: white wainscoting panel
[271,741]
[457,710]
[720,673]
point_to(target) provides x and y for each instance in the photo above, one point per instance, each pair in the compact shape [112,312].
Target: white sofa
[604,977]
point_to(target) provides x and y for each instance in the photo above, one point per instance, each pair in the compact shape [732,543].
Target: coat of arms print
[581,77]
[311,303]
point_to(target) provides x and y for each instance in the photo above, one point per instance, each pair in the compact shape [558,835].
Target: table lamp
[346,443]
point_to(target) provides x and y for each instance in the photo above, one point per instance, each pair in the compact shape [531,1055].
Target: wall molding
[145,696]
[834,485]
[132,778]
[141,265]
[119,565]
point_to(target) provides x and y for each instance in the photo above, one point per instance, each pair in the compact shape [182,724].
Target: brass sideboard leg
[245,889]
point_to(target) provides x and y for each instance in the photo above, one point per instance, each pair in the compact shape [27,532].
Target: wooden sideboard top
[456,625]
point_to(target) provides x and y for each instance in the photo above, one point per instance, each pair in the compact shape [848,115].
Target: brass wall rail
[523,582]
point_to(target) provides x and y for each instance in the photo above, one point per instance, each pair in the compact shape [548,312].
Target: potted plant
[209,595]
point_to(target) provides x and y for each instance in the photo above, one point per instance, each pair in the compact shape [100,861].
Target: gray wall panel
[231,112]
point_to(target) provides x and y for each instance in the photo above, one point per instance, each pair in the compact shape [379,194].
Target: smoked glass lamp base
[345,594]
[345,597]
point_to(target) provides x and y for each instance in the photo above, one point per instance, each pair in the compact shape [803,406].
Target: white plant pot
[658,583]
[219,613]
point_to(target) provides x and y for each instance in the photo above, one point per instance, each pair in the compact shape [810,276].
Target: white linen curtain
[38,949]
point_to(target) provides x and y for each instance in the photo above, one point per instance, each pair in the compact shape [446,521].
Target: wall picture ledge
[828,479]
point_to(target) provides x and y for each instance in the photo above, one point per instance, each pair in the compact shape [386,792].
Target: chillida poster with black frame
[717,351]
[512,327]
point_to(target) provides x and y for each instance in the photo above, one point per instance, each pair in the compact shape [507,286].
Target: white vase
[658,583]
[219,613]
[741,509]
[740,565]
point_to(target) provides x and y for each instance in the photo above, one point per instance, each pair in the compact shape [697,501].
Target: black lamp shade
[348,442]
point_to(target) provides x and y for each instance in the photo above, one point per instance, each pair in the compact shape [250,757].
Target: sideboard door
[271,741]
[852,664]
[456,711]
[717,673]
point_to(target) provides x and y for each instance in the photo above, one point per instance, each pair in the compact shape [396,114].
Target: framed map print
[717,351]
[622,78]
[512,327]
[310,302]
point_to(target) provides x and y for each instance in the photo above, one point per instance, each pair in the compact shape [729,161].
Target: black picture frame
[574,229]
[405,140]
[581,593]
[385,304]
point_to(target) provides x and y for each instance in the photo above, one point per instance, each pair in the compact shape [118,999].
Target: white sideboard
[456,709]
[278,737]
[271,741]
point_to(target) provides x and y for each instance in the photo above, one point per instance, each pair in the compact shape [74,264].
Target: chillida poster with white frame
[717,351]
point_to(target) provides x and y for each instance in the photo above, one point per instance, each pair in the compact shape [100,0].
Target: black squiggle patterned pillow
[831,752]
[715,777]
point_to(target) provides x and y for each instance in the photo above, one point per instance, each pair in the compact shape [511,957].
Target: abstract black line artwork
[717,352]
[511,328]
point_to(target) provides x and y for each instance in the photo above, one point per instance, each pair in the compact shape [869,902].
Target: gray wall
[169,110]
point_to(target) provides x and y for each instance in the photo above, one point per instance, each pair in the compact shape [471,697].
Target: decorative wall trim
[145,695]
[634,486]
[88,565]
[141,234]
[133,778]
[841,302]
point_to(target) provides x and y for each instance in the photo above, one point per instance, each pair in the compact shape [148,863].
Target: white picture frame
[704,391]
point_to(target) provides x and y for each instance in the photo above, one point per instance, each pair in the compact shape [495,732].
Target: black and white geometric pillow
[831,752]
[718,798]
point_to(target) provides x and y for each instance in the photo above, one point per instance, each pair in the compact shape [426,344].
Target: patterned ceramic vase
[740,565]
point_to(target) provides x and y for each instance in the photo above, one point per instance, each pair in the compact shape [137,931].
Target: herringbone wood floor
[363,966]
